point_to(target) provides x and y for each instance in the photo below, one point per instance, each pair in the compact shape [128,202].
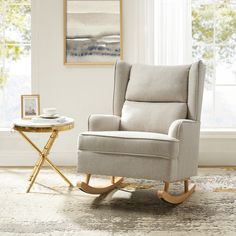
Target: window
[15,57]
[214,41]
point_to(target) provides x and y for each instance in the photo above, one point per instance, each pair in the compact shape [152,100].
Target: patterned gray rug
[53,209]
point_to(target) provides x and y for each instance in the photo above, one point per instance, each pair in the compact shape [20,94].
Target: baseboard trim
[74,166]
[217,166]
[15,158]
[63,158]
[217,159]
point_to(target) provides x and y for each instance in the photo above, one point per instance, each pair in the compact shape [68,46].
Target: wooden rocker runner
[85,187]
[115,182]
[176,199]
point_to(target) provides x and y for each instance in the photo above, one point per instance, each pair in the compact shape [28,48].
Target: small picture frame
[30,106]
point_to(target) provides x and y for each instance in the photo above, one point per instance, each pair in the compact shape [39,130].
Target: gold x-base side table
[23,126]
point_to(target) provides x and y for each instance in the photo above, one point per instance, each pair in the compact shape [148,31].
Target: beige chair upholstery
[154,130]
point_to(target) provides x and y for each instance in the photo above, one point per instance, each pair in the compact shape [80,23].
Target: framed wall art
[92,32]
[30,106]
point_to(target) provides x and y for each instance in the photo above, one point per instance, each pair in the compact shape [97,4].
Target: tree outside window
[214,41]
[15,53]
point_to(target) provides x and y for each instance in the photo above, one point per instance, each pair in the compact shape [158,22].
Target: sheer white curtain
[157,31]
[138,31]
[172,32]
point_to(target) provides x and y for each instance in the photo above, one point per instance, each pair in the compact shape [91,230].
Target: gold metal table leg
[35,168]
[32,144]
[36,174]
[43,157]
[59,172]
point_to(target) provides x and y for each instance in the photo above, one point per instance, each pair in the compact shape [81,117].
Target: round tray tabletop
[29,126]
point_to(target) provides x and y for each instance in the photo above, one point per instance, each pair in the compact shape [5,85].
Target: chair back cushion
[158,84]
[151,116]
[149,98]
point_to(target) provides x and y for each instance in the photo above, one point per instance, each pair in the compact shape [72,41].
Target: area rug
[53,209]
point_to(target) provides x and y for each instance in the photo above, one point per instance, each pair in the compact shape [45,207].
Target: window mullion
[4,37]
[214,59]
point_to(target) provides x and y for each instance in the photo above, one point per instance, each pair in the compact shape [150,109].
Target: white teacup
[50,111]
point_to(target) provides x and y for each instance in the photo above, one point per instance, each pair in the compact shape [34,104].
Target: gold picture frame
[30,106]
[113,49]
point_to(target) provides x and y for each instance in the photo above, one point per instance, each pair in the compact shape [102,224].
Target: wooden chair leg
[186,185]
[176,199]
[113,178]
[87,179]
[166,186]
[84,186]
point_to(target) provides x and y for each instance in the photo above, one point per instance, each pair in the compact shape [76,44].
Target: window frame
[5,5]
[215,129]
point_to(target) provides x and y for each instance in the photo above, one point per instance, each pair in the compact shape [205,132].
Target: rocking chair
[153,132]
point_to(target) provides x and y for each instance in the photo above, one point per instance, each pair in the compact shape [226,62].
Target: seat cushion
[130,143]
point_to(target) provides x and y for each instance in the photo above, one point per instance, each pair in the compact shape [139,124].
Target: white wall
[78,91]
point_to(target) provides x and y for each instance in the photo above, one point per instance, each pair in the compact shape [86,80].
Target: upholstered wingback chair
[153,132]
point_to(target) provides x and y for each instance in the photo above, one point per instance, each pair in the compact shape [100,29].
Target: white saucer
[46,116]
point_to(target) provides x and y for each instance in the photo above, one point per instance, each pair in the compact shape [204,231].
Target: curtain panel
[158,31]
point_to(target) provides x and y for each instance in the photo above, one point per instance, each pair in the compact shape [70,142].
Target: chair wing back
[149,98]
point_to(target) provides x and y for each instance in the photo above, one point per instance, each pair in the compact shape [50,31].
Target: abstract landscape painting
[92,31]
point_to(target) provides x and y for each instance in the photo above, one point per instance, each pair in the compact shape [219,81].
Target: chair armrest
[187,132]
[103,123]
[177,128]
